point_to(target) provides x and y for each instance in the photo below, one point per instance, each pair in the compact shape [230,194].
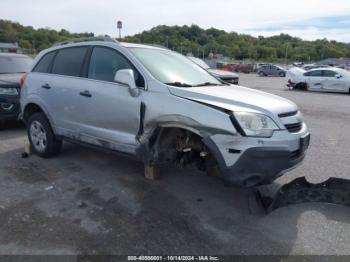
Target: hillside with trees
[193,39]
[34,39]
[240,46]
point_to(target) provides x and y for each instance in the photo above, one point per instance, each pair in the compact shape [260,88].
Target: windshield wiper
[178,84]
[208,84]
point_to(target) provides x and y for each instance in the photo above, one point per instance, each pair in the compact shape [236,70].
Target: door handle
[46,86]
[86,93]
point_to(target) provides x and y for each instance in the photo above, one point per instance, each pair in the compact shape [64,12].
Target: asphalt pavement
[89,202]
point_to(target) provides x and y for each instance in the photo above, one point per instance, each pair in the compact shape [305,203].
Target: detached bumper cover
[333,191]
[257,165]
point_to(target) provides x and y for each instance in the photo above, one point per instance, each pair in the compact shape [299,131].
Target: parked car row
[271,70]
[226,76]
[261,69]
[158,106]
[238,68]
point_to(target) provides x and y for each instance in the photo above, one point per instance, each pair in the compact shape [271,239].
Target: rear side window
[69,61]
[105,62]
[328,73]
[44,64]
[314,73]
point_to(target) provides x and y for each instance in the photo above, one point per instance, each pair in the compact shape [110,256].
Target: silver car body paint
[111,118]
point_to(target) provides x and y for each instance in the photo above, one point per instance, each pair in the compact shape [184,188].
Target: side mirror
[338,76]
[126,77]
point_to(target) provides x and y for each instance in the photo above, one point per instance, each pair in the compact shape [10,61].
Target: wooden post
[27,148]
[152,172]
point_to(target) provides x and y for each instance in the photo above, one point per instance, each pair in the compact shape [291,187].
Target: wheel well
[301,86]
[179,145]
[29,110]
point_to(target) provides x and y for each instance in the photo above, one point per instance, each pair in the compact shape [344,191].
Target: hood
[10,79]
[223,74]
[237,98]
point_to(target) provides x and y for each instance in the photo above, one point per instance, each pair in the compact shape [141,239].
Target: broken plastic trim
[333,191]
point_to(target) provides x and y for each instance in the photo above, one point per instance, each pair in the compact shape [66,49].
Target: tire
[282,74]
[261,74]
[307,87]
[42,140]
[301,87]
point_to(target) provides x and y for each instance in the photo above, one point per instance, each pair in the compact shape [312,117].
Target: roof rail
[157,45]
[105,38]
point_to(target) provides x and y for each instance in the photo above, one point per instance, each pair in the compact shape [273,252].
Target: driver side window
[105,62]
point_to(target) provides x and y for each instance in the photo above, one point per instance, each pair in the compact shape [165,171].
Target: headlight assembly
[255,125]
[8,91]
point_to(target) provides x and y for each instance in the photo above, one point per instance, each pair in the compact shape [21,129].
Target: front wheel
[43,141]
[261,74]
[282,74]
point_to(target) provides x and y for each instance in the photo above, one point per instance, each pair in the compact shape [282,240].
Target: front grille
[294,128]
[288,114]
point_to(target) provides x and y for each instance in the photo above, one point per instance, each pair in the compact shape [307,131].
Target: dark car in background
[12,69]
[271,70]
[226,76]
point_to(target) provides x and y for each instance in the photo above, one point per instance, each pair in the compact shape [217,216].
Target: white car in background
[328,79]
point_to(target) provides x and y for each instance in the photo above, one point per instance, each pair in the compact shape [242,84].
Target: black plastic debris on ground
[24,155]
[333,191]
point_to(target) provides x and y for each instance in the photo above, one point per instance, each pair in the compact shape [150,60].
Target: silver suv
[157,106]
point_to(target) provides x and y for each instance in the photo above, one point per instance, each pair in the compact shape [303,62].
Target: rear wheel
[306,87]
[302,86]
[43,141]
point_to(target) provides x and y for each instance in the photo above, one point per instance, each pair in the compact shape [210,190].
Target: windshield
[199,62]
[12,64]
[172,68]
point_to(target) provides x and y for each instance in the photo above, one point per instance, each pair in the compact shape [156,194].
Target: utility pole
[167,41]
[286,57]
[120,26]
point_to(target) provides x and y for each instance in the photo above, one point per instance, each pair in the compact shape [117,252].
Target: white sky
[256,17]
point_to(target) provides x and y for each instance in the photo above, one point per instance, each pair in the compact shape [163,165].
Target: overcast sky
[308,19]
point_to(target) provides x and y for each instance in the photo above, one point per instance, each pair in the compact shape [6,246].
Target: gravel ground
[89,202]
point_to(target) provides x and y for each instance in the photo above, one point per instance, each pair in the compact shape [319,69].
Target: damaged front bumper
[261,162]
